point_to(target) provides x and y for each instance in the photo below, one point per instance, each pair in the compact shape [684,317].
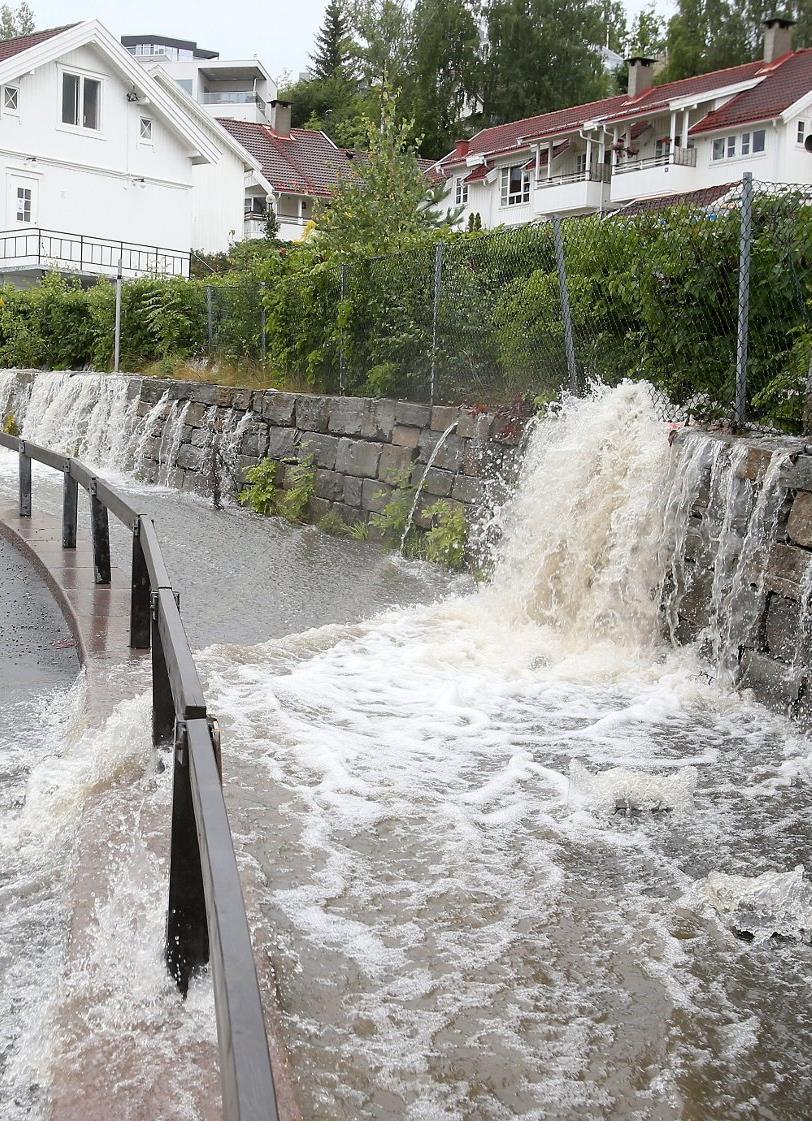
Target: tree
[706,35]
[382,33]
[14,22]
[332,46]
[444,76]
[387,206]
[542,55]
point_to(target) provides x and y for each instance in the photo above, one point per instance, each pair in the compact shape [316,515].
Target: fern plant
[293,501]
[447,539]
[260,495]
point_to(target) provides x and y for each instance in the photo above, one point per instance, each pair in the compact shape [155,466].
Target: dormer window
[11,99]
[81,101]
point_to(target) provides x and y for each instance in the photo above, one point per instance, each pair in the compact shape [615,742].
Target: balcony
[241,97]
[673,171]
[580,192]
[35,251]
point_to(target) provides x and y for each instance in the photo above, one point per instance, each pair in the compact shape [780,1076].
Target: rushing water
[504,846]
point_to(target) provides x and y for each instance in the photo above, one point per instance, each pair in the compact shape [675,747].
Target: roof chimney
[777,36]
[641,74]
[461,148]
[280,121]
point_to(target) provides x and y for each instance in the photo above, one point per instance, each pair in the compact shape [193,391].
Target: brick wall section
[361,447]
[771,662]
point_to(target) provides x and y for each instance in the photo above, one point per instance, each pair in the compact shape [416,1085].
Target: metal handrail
[86,250]
[206,919]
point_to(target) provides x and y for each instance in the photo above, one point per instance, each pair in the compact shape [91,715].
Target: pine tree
[331,47]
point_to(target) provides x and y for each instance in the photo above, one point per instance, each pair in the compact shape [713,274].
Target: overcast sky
[277,31]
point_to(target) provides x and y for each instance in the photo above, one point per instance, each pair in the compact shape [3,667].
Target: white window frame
[580,163]
[21,189]
[142,138]
[83,76]
[9,110]
[739,145]
[800,132]
[513,198]
[460,191]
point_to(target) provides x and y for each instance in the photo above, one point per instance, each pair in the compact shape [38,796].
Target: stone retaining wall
[361,448]
[774,654]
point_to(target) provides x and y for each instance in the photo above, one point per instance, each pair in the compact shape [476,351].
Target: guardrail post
[163,706]
[187,933]
[209,319]
[140,613]
[743,325]
[70,507]
[100,530]
[566,314]
[25,482]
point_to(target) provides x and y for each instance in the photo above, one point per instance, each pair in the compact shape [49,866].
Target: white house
[98,159]
[653,142]
[241,89]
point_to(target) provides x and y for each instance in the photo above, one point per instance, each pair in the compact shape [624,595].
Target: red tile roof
[788,79]
[10,47]
[304,162]
[705,196]
[780,83]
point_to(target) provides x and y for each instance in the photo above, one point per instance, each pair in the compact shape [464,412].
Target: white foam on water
[621,789]
[766,905]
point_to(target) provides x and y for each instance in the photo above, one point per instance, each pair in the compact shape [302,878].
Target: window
[515,184]
[580,163]
[662,147]
[800,135]
[461,192]
[145,129]
[759,140]
[81,101]
[185,84]
[730,151]
[256,204]
[749,143]
[11,99]
[24,196]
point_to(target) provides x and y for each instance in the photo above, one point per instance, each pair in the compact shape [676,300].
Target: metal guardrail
[206,918]
[678,157]
[35,247]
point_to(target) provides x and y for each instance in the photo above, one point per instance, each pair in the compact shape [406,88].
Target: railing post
[25,482]
[140,606]
[117,340]
[163,706]
[566,314]
[438,282]
[100,531]
[81,251]
[743,324]
[209,319]
[187,933]
[70,507]
[342,349]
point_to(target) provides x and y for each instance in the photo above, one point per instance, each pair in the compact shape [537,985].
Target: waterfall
[170,441]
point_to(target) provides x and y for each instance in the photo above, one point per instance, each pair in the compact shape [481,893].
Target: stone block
[433,481]
[244,464]
[281,442]
[241,399]
[352,490]
[787,566]
[196,414]
[347,416]
[378,420]
[254,439]
[199,437]
[799,525]
[143,407]
[189,458]
[783,618]
[152,390]
[276,407]
[152,446]
[148,473]
[317,508]
[312,413]
[329,485]
[443,416]
[323,448]
[755,463]
[470,490]
[797,475]
[375,495]
[475,426]
[404,436]
[772,682]
[509,429]
[477,458]
[348,514]
[182,390]
[394,463]
[358,457]
[449,456]
[406,412]
[206,394]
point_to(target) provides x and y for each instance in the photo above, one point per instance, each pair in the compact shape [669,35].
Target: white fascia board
[692,101]
[209,124]
[93,33]
[799,106]
[256,178]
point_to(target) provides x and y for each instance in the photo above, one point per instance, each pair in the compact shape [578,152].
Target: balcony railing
[234,97]
[598,173]
[97,256]
[679,157]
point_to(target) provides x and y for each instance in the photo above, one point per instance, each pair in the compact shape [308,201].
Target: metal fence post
[117,343]
[139,595]
[25,482]
[210,318]
[566,314]
[100,532]
[743,325]
[263,323]
[70,507]
[438,282]
[163,706]
[187,932]
[342,354]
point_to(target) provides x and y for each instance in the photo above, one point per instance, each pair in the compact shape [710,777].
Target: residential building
[664,140]
[94,148]
[243,90]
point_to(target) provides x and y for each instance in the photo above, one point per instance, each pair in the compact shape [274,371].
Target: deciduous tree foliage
[16,21]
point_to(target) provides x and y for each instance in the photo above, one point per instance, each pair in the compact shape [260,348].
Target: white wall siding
[218,204]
